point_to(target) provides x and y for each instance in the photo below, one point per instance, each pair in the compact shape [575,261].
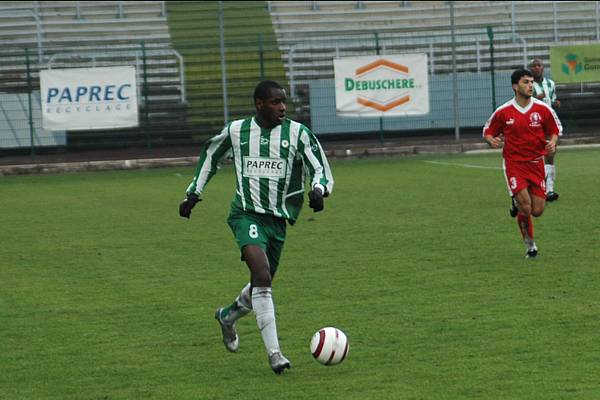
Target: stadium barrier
[161,93]
[186,97]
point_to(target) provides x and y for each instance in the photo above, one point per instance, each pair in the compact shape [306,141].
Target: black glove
[185,208]
[315,200]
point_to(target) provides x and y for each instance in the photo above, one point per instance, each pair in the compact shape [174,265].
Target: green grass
[105,293]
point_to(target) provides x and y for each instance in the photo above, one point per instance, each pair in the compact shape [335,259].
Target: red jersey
[525,130]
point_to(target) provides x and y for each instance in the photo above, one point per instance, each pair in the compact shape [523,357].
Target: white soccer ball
[329,346]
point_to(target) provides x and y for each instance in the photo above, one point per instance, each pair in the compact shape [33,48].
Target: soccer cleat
[531,253]
[278,361]
[513,208]
[551,196]
[230,336]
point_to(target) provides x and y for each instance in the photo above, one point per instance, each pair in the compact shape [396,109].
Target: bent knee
[261,277]
[525,210]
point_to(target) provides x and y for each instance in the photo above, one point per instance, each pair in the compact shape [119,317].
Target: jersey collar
[522,110]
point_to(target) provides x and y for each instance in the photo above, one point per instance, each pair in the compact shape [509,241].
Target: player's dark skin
[537,69]
[270,112]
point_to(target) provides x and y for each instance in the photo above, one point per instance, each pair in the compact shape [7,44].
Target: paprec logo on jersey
[535,120]
[263,167]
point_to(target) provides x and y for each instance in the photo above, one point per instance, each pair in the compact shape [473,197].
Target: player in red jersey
[527,129]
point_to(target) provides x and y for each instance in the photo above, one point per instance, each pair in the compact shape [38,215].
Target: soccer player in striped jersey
[272,157]
[544,89]
[530,129]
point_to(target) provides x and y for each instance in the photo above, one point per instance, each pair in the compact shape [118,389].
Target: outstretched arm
[213,151]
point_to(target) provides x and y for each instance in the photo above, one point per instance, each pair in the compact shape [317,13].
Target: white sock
[550,174]
[262,303]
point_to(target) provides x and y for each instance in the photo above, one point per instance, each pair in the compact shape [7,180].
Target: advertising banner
[575,64]
[89,98]
[381,86]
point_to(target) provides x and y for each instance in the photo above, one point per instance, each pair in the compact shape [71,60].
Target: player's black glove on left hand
[185,208]
[315,200]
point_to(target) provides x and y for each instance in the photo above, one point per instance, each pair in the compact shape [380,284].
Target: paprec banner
[89,98]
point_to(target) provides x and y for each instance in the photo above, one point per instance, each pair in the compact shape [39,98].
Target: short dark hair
[263,89]
[518,74]
[535,61]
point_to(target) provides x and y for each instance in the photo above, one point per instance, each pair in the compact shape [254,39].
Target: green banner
[575,64]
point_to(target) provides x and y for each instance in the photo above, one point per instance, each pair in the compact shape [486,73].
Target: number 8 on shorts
[253,231]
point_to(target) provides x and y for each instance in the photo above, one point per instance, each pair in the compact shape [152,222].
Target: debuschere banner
[381,86]
[89,98]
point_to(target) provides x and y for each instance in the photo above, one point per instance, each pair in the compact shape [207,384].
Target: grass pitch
[106,293]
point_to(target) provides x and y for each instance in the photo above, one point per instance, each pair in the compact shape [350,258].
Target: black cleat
[531,253]
[551,196]
[513,208]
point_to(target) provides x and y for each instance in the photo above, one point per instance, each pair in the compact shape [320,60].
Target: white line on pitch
[462,165]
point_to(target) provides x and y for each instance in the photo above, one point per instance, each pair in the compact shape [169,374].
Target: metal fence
[168,118]
[460,101]
[191,82]
[161,93]
[475,106]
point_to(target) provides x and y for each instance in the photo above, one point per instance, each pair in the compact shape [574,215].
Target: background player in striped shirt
[529,129]
[544,89]
[272,158]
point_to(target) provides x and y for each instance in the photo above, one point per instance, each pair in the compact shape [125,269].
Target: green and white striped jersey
[270,166]
[548,88]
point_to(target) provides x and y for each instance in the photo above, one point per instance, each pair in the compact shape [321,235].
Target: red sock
[525,225]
